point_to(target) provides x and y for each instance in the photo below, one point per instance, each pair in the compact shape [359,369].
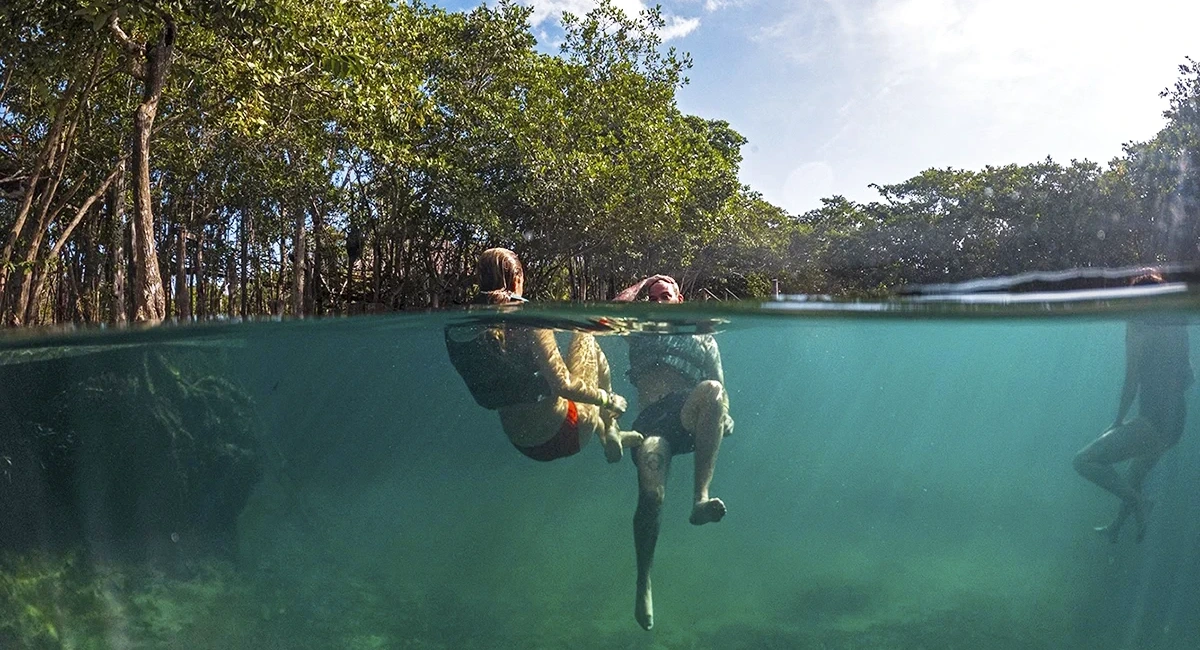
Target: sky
[834,95]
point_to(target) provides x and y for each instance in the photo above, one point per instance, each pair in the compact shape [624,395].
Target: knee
[705,407]
[1081,461]
[710,392]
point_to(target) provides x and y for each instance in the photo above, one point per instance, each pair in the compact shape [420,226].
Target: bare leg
[653,460]
[614,439]
[702,415]
[1138,470]
[1095,463]
[1139,508]
[1113,530]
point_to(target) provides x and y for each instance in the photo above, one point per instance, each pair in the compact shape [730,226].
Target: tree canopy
[194,158]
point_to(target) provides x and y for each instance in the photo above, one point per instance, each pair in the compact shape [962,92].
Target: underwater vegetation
[61,601]
[51,602]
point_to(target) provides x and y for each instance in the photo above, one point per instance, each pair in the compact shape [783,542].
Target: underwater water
[898,478]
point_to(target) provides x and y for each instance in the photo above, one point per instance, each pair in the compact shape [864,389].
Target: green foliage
[950,225]
[396,140]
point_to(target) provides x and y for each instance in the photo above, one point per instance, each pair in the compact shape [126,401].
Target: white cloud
[677,27]
[1030,64]
[885,88]
[994,50]
[552,10]
[712,5]
[811,30]
[544,10]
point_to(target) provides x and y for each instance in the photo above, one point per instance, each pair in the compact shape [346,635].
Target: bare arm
[630,293]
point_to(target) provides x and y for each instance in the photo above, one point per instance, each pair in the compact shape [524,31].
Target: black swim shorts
[663,419]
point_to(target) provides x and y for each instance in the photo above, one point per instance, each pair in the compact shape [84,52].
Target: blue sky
[836,94]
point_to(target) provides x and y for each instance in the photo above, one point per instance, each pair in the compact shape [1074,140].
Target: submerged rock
[134,452]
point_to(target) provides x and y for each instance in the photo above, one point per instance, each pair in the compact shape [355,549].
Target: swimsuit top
[499,368]
[694,356]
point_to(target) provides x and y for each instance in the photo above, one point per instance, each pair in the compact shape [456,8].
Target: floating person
[1158,373]
[549,407]
[684,408]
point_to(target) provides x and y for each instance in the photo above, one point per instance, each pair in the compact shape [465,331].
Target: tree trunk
[231,276]
[89,261]
[45,216]
[198,273]
[298,266]
[257,275]
[183,300]
[149,63]
[318,305]
[30,307]
[376,266]
[118,236]
[45,159]
[279,303]
[244,236]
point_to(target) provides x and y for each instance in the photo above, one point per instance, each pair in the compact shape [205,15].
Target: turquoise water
[897,479]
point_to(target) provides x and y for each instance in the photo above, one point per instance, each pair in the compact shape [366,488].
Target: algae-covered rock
[135,451]
[61,600]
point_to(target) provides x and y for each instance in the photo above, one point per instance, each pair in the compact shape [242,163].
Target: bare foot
[643,607]
[1111,531]
[707,512]
[1139,514]
[631,439]
[612,447]
[1140,509]
[616,441]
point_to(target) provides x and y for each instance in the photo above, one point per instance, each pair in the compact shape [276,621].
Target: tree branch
[4,88]
[33,297]
[135,53]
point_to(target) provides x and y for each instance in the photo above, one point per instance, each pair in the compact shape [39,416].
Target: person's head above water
[1147,276]
[664,288]
[501,276]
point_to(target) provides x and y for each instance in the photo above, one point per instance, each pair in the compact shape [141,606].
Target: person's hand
[616,403]
[727,425]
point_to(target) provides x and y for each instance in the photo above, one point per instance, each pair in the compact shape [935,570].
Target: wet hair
[499,271]
[668,279]
[1146,276]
